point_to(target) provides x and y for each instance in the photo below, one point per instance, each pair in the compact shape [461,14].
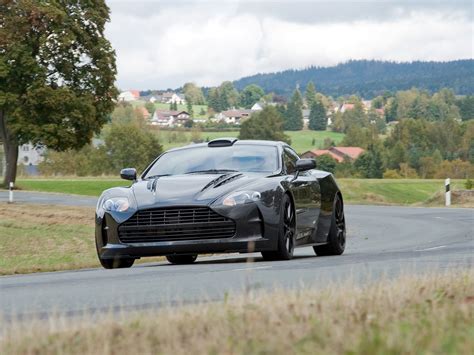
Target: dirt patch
[459,198]
[47,214]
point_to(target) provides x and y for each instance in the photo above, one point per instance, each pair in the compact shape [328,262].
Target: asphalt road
[382,242]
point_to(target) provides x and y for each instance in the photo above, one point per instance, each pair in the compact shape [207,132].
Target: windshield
[244,158]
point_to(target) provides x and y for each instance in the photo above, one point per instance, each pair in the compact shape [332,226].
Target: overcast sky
[163,44]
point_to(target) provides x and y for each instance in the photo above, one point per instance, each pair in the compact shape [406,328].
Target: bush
[391,174]
[468,184]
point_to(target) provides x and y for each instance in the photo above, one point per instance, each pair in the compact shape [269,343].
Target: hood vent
[227,179]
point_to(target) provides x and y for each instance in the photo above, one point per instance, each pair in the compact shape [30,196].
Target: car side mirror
[305,164]
[128,174]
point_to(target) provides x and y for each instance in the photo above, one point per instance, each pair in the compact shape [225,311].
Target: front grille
[171,224]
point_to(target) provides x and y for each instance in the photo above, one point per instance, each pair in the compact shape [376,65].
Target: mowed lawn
[301,141]
[355,191]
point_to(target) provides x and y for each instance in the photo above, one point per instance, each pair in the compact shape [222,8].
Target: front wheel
[181,259]
[286,235]
[337,232]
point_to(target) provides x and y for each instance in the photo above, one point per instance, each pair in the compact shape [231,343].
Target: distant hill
[369,78]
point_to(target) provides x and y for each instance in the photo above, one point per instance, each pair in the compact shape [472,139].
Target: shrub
[391,174]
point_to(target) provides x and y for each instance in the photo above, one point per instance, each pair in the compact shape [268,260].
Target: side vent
[222,142]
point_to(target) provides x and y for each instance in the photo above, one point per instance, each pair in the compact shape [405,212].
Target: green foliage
[223,97]
[125,145]
[250,95]
[193,94]
[466,107]
[327,163]
[57,72]
[317,116]
[150,107]
[189,108]
[266,124]
[468,184]
[369,164]
[369,78]
[310,94]
[294,115]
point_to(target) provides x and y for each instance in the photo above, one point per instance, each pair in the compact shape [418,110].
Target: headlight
[116,204]
[241,197]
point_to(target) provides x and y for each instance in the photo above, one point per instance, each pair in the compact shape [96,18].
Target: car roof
[238,142]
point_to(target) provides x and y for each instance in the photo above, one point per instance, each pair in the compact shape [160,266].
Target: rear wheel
[181,259]
[337,232]
[286,235]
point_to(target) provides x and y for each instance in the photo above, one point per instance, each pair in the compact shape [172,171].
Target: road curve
[382,241]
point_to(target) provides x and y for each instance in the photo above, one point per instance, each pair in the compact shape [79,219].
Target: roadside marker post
[447,184]
[10,192]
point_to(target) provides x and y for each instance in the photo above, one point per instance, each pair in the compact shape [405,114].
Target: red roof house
[338,153]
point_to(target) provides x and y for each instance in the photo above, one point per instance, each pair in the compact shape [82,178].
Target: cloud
[164,44]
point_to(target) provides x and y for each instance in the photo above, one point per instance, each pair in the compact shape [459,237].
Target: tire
[286,234]
[117,263]
[337,232]
[181,259]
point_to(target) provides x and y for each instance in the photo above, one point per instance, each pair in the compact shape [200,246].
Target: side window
[289,159]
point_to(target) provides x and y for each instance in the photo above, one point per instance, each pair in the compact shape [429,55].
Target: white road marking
[432,248]
[251,268]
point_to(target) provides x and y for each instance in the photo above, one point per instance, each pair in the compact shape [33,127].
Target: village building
[340,154]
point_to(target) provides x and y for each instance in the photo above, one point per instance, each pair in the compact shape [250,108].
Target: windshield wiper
[212,171]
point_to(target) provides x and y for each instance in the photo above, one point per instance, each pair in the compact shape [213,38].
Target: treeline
[370,78]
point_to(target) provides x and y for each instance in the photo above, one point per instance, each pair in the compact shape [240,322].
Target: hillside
[369,78]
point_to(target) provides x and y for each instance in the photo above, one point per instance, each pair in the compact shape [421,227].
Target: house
[258,106]
[338,153]
[30,157]
[367,105]
[346,107]
[171,98]
[130,95]
[234,116]
[306,113]
[152,99]
[166,118]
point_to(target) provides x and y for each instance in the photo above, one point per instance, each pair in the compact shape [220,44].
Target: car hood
[195,189]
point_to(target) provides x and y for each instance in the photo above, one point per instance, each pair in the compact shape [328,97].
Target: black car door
[307,196]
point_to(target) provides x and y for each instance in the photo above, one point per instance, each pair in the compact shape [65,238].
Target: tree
[466,107]
[294,113]
[317,116]
[310,94]
[369,164]
[150,107]
[57,74]
[327,163]
[193,94]
[229,96]
[250,95]
[189,108]
[128,145]
[266,124]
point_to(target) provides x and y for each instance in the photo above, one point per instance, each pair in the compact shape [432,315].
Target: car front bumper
[251,234]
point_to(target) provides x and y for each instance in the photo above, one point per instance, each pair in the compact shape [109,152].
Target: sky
[164,44]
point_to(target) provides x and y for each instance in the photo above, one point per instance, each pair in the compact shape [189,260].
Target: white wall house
[165,118]
[128,96]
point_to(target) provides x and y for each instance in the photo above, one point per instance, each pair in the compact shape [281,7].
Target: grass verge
[355,191]
[431,314]
[36,238]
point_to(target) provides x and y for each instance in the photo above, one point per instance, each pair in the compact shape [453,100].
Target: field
[428,314]
[301,140]
[355,191]
[196,108]
[36,238]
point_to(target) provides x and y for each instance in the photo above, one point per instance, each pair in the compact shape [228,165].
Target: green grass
[392,191]
[355,191]
[78,186]
[301,141]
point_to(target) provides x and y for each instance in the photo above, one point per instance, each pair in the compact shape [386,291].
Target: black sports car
[227,195]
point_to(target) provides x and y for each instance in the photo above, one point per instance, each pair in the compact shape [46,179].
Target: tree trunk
[10,148]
